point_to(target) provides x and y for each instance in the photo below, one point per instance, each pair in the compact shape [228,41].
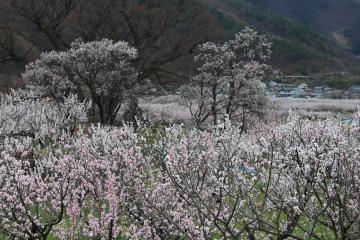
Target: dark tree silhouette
[164,31]
[47,15]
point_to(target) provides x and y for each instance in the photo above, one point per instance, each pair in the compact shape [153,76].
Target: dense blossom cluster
[310,178]
[28,114]
[229,77]
[296,180]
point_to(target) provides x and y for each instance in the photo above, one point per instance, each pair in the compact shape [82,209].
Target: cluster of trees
[227,84]
[63,179]
[164,32]
[151,39]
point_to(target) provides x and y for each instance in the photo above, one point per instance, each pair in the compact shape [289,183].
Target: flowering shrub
[311,179]
[205,182]
[36,189]
[109,167]
[295,180]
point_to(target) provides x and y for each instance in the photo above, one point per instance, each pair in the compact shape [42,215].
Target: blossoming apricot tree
[103,70]
[229,78]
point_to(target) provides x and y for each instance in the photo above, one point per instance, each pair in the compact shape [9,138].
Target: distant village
[283,90]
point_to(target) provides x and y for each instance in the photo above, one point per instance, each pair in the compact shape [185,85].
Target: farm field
[170,107]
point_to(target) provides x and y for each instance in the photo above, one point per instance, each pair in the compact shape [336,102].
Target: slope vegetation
[299,46]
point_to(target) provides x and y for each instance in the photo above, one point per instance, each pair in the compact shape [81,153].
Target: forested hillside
[306,34]
[337,20]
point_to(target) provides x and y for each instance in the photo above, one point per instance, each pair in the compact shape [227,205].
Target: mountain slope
[298,47]
[337,20]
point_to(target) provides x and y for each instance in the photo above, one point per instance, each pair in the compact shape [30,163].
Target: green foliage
[342,82]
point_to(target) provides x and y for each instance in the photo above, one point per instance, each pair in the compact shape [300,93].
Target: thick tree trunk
[213,105]
[231,99]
